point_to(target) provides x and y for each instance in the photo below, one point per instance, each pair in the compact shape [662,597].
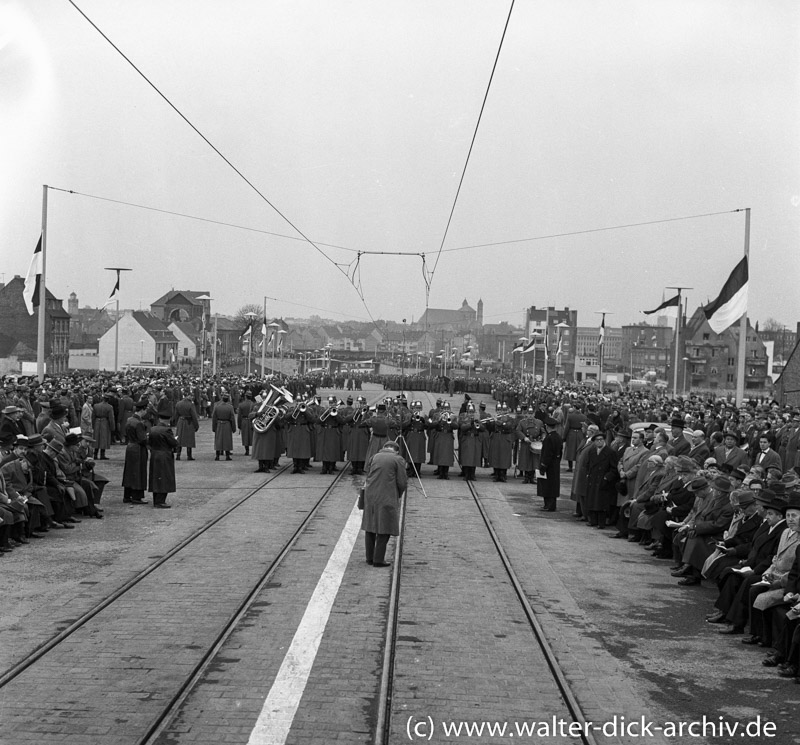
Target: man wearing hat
[737,538]
[11,423]
[735,582]
[601,478]
[57,489]
[223,425]
[57,427]
[678,445]
[134,472]
[162,445]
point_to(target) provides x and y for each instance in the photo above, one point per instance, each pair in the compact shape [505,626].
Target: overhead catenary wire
[471,146]
[219,152]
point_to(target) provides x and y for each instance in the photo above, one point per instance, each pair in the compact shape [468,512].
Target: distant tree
[242,319]
[771,324]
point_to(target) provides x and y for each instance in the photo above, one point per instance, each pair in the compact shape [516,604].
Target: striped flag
[30,294]
[731,303]
[673,302]
[247,332]
[518,348]
[113,296]
[560,348]
[602,332]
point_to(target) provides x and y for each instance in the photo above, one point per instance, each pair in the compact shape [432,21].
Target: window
[713,352]
[186,351]
[730,377]
[705,337]
[713,371]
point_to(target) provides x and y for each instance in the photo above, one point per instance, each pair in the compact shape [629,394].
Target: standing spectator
[187,425]
[386,482]
[103,425]
[134,473]
[244,422]
[549,483]
[162,444]
[223,424]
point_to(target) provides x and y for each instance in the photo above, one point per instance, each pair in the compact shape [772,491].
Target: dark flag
[30,293]
[673,302]
[731,303]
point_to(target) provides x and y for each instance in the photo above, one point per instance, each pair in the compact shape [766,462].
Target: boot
[228,455]
[189,454]
[247,451]
[216,457]
[178,456]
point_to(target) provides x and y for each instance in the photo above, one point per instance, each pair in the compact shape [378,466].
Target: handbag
[361,498]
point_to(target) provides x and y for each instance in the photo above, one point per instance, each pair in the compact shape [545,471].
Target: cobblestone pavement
[630,641]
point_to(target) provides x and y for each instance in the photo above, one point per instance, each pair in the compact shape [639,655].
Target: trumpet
[299,409]
[331,412]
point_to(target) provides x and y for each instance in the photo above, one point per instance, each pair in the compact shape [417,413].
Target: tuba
[271,408]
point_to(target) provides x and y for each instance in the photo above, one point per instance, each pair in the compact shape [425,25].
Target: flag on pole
[30,293]
[673,302]
[113,296]
[602,332]
[560,347]
[731,303]
[269,341]
[655,340]
[518,348]
[247,332]
[264,327]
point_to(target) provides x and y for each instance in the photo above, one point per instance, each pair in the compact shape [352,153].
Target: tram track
[170,697]
[385,696]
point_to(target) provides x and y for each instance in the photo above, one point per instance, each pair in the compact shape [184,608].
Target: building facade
[23,328]
[144,340]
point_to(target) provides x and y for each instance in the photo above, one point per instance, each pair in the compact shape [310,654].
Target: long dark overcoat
[550,465]
[186,423]
[223,424]
[601,477]
[162,461]
[386,482]
[134,473]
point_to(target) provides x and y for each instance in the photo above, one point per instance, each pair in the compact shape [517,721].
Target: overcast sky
[354,119]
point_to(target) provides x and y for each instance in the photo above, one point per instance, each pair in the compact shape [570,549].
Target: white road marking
[276,717]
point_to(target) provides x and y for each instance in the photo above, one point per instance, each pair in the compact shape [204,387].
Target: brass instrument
[330,412]
[273,406]
[301,408]
[446,417]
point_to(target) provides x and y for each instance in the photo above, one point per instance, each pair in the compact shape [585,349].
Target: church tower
[480,313]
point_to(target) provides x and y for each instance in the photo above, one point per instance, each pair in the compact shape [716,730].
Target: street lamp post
[601,344]
[251,316]
[116,269]
[141,351]
[205,299]
[274,335]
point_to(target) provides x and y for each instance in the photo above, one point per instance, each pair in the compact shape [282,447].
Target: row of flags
[247,334]
[725,310]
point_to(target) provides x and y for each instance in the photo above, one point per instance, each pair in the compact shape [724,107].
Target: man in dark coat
[244,421]
[601,477]
[134,473]
[223,424]
[103,426]
[162,444]
[386,482]
[549,480]
[187,425]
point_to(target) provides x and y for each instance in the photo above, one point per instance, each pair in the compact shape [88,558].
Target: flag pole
[40,365]
[264,340]
[677,339]
[742,323]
